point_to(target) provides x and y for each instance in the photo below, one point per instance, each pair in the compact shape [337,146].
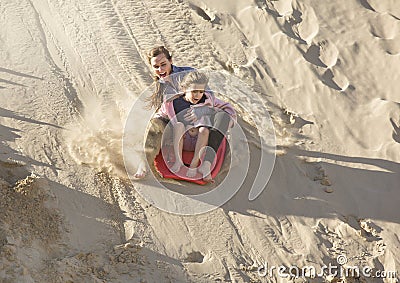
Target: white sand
[329,74]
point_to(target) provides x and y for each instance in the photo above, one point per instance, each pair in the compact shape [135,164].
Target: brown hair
[155,100]
[155,51]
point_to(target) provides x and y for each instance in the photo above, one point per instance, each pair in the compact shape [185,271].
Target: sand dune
[328,75]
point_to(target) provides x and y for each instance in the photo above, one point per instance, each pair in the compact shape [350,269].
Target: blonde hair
[194,77]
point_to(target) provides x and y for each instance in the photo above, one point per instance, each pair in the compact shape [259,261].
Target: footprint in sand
[335,79]
[308,27]
[205,13]
[324,54]
[391,46]
[385,6]
[303,22]
[384,26]
[328,53]
[299,19]
[282,7]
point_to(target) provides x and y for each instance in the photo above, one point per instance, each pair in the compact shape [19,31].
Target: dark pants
[220,121]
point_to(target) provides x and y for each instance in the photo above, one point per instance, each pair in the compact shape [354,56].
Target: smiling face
[194,93]
[162,67]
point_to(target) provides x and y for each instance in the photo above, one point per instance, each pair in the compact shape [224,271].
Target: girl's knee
[180,126]
[204,131]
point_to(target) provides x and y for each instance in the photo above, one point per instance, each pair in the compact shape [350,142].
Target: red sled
[167,155]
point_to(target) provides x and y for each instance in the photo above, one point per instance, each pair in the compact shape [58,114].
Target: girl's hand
[190,116]
[196,112]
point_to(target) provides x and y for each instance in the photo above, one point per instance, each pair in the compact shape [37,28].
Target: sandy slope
[70,70]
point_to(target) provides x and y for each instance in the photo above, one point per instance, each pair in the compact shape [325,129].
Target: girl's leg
[205,170]
[152,146]
[179,130]
[202,141]
[221,122]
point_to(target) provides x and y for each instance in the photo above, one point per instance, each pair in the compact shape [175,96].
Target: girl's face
[194,93]
[162,67]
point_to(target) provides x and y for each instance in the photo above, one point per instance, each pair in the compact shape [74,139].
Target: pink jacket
[167,109]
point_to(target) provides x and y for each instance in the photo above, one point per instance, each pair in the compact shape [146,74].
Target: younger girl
[192,116]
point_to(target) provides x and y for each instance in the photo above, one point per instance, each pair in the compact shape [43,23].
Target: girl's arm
[227,107]
[162,112]
[167,111]
[200,113]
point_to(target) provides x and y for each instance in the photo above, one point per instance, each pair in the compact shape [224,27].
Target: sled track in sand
[129,30]
[169,24]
